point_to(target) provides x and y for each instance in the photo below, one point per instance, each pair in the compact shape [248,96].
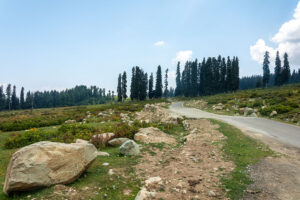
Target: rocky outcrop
[116,142]
[47,163]
[155,113]
[130,148]
[153,135]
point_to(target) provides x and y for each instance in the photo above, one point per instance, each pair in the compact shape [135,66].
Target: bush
[69,132]
[278,108]
[27,138]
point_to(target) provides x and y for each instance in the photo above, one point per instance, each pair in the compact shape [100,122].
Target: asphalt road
[285,133]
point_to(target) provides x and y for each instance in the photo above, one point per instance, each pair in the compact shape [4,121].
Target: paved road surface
[285,133]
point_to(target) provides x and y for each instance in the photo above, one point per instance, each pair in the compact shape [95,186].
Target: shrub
[69,132]
[278,108]
[27,138]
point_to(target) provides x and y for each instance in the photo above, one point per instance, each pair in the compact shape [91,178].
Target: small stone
[111,172]
[105,164]
[211,193]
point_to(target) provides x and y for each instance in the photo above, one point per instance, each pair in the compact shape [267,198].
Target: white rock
[102,153]
[111,172]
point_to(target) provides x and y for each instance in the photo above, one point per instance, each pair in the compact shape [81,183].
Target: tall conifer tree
[286,72]
[178,81]
[277,73]
[266,69]
[119,88]
[22,99]
[158,83]
[150,91]
[124,86]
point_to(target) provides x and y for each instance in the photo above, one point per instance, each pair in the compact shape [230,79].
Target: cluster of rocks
[151,187]
[219,106]
[155,113]
[197,104]
[126,119]
[153,135]
[70,121]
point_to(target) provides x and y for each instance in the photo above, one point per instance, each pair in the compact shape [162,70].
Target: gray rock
[130,148]
[116,142]
[44,164]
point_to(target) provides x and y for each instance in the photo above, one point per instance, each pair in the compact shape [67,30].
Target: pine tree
[14,99]
[124,86]
[202,77]
[266,70]
[133,86]
[22,100]
[194,78]
[158,84]
[119,88]
[286,72]
[2,98]
[178,81]
[198,79]
[228,74]
[151,93]
[277,69]
[166,91]
[223,76]
[258,83]
[8,96]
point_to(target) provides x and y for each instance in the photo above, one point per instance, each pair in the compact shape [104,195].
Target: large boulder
[153,135]
[44,164]
[116,142]
[129,148]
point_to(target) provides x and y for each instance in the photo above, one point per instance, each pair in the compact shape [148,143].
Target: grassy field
[285,100]
[95,183]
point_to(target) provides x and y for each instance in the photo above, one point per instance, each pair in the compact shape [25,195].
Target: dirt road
[285,133]
[275,178]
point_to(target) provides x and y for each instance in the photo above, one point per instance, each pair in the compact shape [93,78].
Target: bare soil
[191,171]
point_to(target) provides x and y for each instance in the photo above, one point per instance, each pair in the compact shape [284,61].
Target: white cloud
[159,43]
[183,56]
[287,40]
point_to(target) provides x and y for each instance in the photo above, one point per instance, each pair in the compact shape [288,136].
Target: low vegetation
[243,151]
[26,119]
[285,100]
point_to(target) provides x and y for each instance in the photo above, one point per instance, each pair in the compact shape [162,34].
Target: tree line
[142,87]
[211,76]
[79,95]
[281,75]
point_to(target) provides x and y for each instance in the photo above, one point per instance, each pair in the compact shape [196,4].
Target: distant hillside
[284,100]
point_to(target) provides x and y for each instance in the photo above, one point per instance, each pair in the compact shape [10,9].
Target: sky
[57,44]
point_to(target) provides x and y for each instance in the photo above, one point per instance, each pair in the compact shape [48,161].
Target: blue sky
[57,44]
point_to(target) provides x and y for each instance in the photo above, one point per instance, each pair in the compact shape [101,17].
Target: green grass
[25,119]
[243,151]
[96,176]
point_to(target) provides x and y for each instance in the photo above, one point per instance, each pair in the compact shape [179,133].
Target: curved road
[285,133]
